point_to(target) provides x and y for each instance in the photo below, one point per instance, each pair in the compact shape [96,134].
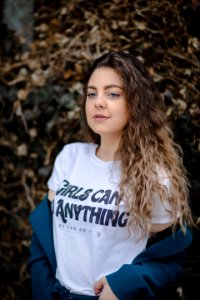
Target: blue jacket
[150,272]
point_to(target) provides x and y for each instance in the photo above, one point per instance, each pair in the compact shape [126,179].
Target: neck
[108,149]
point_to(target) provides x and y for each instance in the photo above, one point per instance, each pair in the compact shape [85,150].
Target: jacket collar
[41,221]
[169,246]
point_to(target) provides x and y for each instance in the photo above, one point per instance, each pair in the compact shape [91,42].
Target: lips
[100,117]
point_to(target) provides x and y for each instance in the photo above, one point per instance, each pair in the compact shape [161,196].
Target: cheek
[88,110]
[125,116]
[123,111]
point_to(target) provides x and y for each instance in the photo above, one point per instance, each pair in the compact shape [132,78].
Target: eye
[113,95]
[91,95]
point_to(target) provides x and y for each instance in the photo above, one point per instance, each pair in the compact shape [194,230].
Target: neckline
[99,161]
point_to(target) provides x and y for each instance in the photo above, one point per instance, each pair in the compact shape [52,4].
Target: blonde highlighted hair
[146,148]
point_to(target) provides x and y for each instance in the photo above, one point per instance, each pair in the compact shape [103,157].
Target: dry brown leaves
[41,91]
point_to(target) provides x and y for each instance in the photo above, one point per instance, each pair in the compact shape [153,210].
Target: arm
[151,271]
[102,287]
[51,195]
[42,277]
[143,281]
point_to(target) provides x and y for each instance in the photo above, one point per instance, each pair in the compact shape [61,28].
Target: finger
[98,286]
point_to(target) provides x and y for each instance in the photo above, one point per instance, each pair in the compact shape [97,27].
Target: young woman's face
[106,109]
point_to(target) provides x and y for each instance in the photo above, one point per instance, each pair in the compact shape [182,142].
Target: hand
[102,287]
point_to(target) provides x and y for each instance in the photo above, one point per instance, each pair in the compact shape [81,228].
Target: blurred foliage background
[46,46]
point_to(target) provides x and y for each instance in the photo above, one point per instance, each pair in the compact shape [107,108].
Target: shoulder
[42,209]
[77,148]
[72,154]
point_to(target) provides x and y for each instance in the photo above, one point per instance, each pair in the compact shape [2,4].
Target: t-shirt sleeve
[161,210]
[58,172]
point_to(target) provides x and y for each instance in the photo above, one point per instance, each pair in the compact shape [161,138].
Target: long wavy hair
[146,149]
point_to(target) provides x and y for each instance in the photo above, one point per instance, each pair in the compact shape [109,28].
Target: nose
[100,102]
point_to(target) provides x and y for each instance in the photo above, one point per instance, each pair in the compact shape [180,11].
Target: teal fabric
[42,262]
[151,271]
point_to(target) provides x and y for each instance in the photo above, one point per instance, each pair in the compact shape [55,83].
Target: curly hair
[146,149]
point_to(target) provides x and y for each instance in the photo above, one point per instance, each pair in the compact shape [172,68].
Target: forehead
[105,76]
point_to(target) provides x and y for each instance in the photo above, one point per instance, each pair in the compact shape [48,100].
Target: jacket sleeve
[153,270]
[145,280]
[42,277]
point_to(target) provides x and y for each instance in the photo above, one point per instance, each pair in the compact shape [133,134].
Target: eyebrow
[106,87]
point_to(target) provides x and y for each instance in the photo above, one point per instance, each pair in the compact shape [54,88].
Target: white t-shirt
[91,237]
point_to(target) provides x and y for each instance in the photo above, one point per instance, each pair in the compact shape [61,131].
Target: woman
[115,222]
